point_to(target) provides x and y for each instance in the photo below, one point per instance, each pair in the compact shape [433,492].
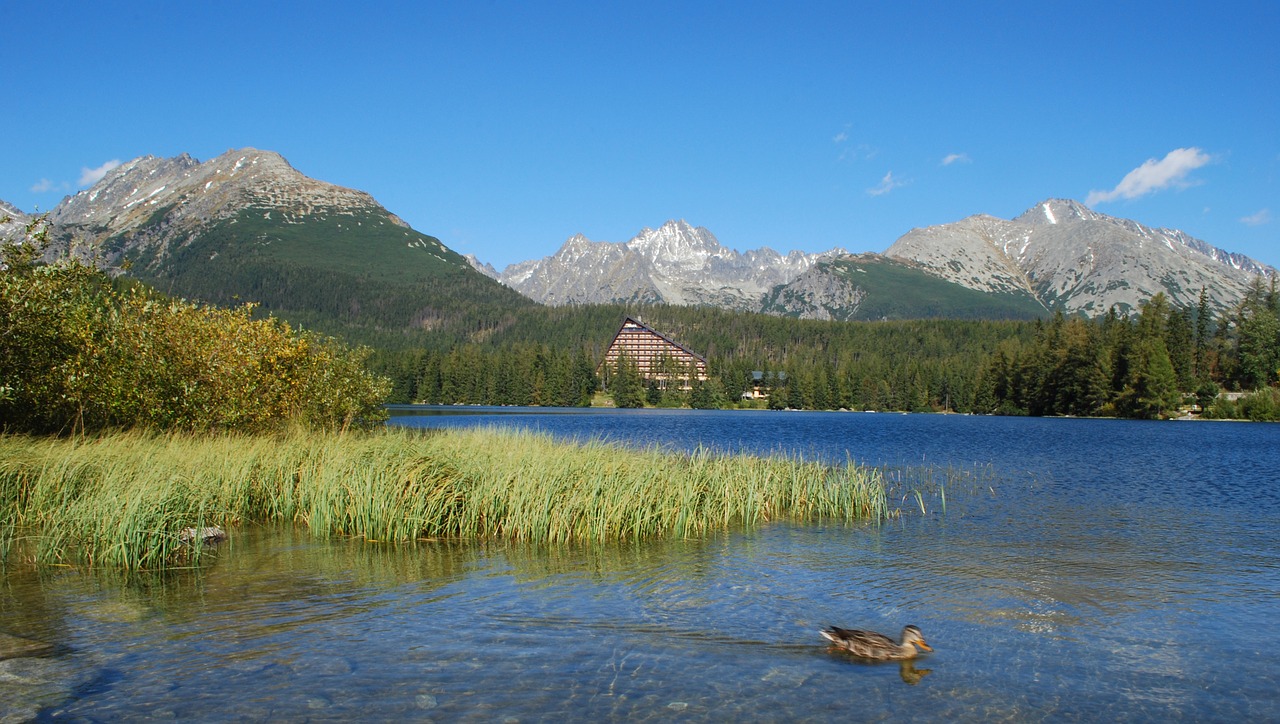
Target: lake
[1061,568]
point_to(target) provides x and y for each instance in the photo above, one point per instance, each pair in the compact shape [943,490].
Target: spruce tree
[1204,319]
[1152,388]
[1179,340]
[1258,338]
[626,387]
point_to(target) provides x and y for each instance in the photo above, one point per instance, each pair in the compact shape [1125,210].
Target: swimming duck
[871,645]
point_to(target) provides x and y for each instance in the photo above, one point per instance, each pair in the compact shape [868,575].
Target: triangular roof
[656,333]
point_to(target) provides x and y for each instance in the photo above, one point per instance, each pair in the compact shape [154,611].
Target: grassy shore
[121,500]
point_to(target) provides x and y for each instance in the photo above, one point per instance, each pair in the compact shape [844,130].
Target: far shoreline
[477,409]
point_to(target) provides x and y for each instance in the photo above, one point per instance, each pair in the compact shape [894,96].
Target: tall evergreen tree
[1080,376]
[1180,341]
[1204,320]
[1150,388]
[584,382]
[703,396]
[626,386]
[1258,337]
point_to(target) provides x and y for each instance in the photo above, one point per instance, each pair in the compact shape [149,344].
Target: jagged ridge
[1078,260]
[676,263]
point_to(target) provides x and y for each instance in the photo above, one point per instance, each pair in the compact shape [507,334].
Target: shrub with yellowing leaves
[77,354]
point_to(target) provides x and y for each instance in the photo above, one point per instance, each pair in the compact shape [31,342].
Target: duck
[877,646]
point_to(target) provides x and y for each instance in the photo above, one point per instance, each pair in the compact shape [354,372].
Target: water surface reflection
[1082,590]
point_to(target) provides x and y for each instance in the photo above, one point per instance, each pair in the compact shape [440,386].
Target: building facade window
[658,358]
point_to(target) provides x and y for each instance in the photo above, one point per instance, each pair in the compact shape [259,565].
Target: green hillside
[893,290]
[359,275]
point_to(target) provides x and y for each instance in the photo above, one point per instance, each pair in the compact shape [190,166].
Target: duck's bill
[924,646]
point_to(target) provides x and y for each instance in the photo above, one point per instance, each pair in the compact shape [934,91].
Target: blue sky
[504,128]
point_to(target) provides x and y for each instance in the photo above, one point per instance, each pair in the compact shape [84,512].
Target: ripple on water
[1098,586]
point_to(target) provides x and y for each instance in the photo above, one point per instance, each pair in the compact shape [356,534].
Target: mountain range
[674,264]
[1070,257]
[247,226]
[1057,255]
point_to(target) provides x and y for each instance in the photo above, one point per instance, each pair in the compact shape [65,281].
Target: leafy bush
[78,354]
[1260,406]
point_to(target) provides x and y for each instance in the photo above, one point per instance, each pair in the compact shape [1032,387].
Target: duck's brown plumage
[872,645]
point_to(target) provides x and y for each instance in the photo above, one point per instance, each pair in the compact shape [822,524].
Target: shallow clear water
[1078,569]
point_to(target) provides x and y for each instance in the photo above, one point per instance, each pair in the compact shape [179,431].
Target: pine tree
[1152,389]
[584,381]
[1081,377]
[1179,340]
[626,387]
[1150,386]
[653,393]
[1204,319]
[1258,338]
[701,396]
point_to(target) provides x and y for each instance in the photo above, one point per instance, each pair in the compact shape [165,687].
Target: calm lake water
[1062,569]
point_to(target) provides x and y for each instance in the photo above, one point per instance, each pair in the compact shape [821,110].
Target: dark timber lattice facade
[658,358]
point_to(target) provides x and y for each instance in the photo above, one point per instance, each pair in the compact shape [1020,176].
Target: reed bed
[121,500]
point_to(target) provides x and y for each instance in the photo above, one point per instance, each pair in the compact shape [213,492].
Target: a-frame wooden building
[657,356]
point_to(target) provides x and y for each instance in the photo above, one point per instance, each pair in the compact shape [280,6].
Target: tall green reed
[121,500]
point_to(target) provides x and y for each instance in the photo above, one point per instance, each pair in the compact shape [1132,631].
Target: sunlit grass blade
[120,500]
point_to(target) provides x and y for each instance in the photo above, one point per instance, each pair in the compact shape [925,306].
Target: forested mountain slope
[247,227]
[875,287]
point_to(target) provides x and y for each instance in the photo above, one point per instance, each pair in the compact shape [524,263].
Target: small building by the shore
[762,384]
[659,358]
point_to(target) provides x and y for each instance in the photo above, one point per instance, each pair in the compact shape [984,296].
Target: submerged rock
[29,686]
[116,612]
[208,535]
[13,647]
[36,671]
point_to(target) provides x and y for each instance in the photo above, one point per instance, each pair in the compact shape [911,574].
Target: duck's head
[912,635]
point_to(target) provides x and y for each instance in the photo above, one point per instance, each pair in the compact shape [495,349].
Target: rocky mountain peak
[11,211]
[194,192]
[676,263]
[676,242]
[133,184]
[1078,260]
[12,221]
[1051,212]
[484,268]
[247,226]
[575,246]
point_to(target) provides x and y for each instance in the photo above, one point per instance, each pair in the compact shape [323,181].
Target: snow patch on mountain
[1078,260]
[127,196]
[12,222]
[677,263]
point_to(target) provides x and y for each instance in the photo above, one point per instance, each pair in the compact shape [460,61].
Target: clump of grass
[924,487]
[121,500]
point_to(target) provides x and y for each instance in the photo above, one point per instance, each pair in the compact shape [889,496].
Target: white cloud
[951,158]
[1258,219]
[91,176]
[44,186]
[858,152]
[887,184]
[851,150]
[1154,176]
